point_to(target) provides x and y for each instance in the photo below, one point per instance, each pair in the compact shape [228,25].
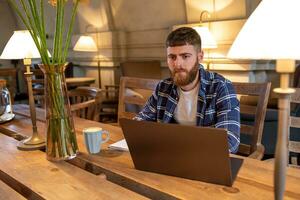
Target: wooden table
[79,81]
[29,173]
[254,181]
[8,193]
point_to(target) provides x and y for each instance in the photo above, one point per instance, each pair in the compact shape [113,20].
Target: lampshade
[20,46]
[85,43]
[208,41]
[271,32]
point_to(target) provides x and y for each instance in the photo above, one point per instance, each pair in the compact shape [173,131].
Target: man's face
[183,63]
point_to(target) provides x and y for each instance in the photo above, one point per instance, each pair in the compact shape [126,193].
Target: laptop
[198,153]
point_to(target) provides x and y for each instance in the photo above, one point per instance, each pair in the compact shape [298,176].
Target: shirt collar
[203,78]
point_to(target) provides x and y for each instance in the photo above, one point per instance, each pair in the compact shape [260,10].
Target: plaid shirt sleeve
[228,114]
[149,112]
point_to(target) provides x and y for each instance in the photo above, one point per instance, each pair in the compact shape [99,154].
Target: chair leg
[294,160]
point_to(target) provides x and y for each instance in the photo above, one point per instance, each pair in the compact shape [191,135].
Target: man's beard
[188,77]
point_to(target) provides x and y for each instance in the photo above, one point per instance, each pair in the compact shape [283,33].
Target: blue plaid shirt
[217,105]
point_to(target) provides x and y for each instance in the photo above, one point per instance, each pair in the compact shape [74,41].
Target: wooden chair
[133,94]
[143,88]
[257,110]
[38,87]
[141,69]
[109,104]
[294,146]
[38,83]
[84,102]
[138,69]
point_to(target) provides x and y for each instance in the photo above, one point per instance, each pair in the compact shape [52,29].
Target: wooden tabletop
[41,179]
[254,180]
[80,81]
[8,193]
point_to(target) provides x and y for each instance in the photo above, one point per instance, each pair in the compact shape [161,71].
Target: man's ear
[200,56]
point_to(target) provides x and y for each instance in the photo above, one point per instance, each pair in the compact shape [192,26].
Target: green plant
[32,15]
[60,131]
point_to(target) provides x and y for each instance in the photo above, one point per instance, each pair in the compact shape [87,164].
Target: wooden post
[284,67]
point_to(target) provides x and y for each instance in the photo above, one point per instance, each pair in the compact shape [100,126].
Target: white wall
[144,25]
[136,29]
[8,25]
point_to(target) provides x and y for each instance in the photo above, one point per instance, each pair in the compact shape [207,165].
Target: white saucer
[6,117]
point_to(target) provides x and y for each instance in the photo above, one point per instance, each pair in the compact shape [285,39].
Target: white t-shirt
[185,112]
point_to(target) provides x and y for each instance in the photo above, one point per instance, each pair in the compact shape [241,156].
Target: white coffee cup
[93,139]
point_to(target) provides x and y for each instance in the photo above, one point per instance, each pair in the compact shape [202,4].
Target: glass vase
[61,143]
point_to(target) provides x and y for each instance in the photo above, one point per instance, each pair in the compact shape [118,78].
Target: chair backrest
[136,91]
[141,69]
[38,86]
[133,94]
[37,80]
[257,111]
[296,77]
[294,146]
[84,102]
[109,104]
[10,75]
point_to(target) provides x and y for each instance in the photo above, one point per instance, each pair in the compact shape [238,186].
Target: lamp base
[31,147]
[32,143]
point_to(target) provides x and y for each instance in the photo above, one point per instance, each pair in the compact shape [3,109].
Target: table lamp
[87,44]
[22,46]
[207,39]
[272,32]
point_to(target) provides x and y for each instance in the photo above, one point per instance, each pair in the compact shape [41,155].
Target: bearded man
[193,96]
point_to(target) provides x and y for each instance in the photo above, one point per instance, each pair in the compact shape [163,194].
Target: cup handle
[107,136]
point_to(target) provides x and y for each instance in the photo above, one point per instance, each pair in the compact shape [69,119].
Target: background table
[74,82]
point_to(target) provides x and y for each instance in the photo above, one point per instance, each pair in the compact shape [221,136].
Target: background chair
[296,77]
[137,69]
[85,101]
[141,69]
[109,104]
[294,127]
[134,92]
[37,86]
[253,105]
[38,82]
[294,137]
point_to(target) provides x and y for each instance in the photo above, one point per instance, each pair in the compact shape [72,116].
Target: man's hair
[184,36]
